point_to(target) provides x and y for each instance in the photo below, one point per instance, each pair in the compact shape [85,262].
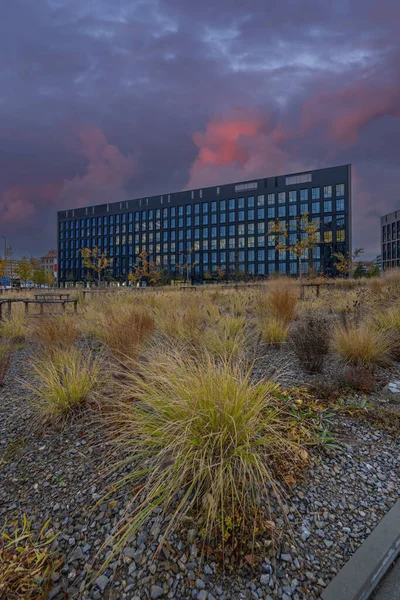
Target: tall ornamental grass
[202,441]
[65,380]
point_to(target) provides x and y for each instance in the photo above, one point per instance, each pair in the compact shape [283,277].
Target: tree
[220,273]
[49,278]
[25,269]
[96,262]
[306,238]
[345,262]
[6,268]
[145,270]
[188,265]
[39,276]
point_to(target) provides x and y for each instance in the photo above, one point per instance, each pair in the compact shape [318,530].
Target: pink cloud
[19,203]
[241,145]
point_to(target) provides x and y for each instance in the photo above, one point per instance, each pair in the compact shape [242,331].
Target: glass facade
[225,227]
[390,240]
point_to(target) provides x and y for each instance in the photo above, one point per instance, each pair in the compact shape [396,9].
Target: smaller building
[49,262]
[390,240]
[378,261]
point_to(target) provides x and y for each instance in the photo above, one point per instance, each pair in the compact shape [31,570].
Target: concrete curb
[365,569]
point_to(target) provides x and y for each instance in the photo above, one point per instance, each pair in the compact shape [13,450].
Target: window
[327,191]
[261,255]
[213,206]
[260,227]
[261,240]
[303,209]
[232,204]
[232,217]
[222,217]
[292,196]
[339,205]
[271,253]
[232,230]
[316,193]
[260,200]
[205,219]
[340,235]
[294,179]
[205,207]
[292,210]
[250,242]
[240,230]
[241,243]
[327,205]
[243,187]
[250,215]
[293,268]
[339,189]
[281,211]
[271,198]
[222,205]
[196,209]
[328,236]
[240,203]
[303,195]
[261,213]
[282,268]
[241,215]
[340,222]
[316,207]
[271,212]
[282,197]
[250,228]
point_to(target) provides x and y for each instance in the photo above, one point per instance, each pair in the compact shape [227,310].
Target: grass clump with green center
[205,443]
[65,380]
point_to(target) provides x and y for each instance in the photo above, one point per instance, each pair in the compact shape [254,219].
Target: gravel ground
[60,475]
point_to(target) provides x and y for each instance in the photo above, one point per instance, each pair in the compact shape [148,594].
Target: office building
[390,240]
[224,226]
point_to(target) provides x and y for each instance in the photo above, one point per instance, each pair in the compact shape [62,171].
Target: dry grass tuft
[363,345]
[56,332]
[126,330]
[14,328]
[310,340]
[282,300]
[26,563]
[6,349]
[274,330]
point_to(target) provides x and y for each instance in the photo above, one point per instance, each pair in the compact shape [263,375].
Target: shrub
[56,332]
[26,563]
[65,380]
[282,300]
[310,339]
[5,358]
[126,331]
[363,345]
[360,379]
[274,330]
[203,441]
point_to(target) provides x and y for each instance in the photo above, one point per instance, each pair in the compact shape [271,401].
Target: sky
[106,100]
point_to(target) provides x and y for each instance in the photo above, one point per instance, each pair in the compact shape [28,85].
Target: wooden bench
[42,304]
[51,296]
[313,285]
[8,302]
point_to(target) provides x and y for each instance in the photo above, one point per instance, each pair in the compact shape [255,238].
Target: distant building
[390,240]
[378,261]
[220,226]
[49,262]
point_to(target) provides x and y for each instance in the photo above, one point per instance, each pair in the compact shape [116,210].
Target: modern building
[49,262]
[378,261]
[222,226]
[390,240]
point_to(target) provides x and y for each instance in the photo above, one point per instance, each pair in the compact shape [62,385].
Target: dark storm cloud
[117,99]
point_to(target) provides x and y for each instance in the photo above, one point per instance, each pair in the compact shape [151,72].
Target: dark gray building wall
[223,226]
[390,240]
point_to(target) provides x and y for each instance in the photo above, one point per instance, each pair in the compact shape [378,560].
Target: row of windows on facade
[391,231]
[282,268]
[232,204]
[197,244]
[222,231]
[391,251]
[193,258]
[85,228]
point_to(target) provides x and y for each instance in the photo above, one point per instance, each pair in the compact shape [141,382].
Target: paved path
[389,588]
